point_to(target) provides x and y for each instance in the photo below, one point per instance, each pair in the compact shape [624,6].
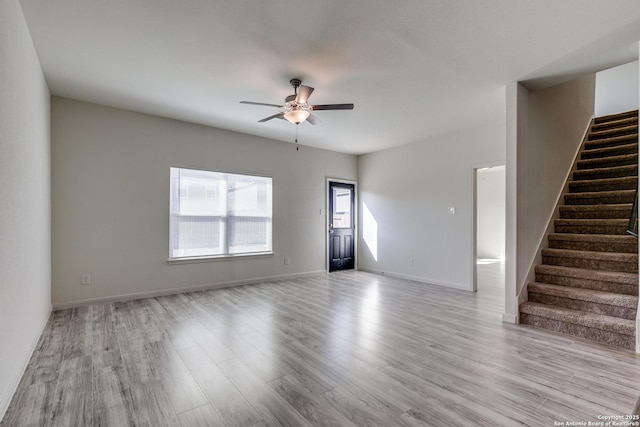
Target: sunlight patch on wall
[370,231]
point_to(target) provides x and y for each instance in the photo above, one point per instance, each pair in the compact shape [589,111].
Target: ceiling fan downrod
[296,84]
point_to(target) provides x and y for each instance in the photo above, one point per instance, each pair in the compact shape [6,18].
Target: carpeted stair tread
[611,142]
[615,197]
[606,162]
[608,172]
[591,226]
[604,184]
[611,261]
[615,117]
[610,256]
[608,211]
[624,130]
[590,320]
[608,281]
[591,221]
[617,150]
[626,121]
[613,309]
[587,295]
[594,242]
[612,339]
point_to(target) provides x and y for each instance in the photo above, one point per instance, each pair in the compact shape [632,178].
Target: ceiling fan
[296,108]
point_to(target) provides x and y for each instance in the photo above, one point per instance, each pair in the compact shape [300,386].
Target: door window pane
[341,207]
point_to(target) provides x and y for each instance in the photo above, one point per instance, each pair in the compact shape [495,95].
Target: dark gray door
[341,226]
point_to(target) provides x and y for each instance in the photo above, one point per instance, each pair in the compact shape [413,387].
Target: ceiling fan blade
[261,103]
[313,119]
[332,107]
[304,92]
[275,116]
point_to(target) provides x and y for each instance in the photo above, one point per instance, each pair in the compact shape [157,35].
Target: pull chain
[297,146]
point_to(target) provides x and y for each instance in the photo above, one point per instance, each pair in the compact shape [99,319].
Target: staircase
[587,284]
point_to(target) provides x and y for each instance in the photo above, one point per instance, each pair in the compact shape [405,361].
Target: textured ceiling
[414,68]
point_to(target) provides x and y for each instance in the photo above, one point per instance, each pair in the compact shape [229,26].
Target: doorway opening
[341,225]
[489,206]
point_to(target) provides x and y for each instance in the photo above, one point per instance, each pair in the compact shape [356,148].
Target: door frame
[474,219]
[356,219]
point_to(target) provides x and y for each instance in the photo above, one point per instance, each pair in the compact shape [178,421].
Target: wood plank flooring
[343,349]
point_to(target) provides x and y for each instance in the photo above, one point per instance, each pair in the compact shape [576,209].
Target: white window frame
[263,212]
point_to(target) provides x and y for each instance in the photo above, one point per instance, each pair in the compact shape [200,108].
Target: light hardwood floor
[342,349]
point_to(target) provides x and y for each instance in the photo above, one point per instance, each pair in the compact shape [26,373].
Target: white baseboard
[426,280]
[15,381]
[172,291]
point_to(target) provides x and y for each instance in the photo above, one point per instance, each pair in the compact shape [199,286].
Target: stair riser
[592,229]
[590,307]
[605,337]
[607,162]
[592,264]
[608,133]
[603,198]
[597,127]
[629,248]
[610,142]
[588,186]
[589,212]
[604,173]
[601,152]
[616,117]
[598,285]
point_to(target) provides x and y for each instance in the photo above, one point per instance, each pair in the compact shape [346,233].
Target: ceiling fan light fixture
[296,116]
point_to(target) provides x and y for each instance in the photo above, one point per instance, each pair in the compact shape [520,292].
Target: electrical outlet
[86,279]
[286,260]
[411,262]
[452,210]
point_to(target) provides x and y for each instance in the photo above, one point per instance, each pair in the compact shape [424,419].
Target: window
[216,214]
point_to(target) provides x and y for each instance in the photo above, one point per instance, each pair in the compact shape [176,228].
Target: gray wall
[405,194]
[545,130]
[617,89]
[25,207]
[111,201]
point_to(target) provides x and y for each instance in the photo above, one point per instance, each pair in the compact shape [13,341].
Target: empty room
[295,213]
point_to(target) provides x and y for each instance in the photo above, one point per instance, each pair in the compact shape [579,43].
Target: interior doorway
[489,207]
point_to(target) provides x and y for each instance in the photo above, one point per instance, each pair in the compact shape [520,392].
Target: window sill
[191,260]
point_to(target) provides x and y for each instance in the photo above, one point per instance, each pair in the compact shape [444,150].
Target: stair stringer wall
[544,130]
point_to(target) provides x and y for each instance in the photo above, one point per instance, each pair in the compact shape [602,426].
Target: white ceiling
[414,69]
